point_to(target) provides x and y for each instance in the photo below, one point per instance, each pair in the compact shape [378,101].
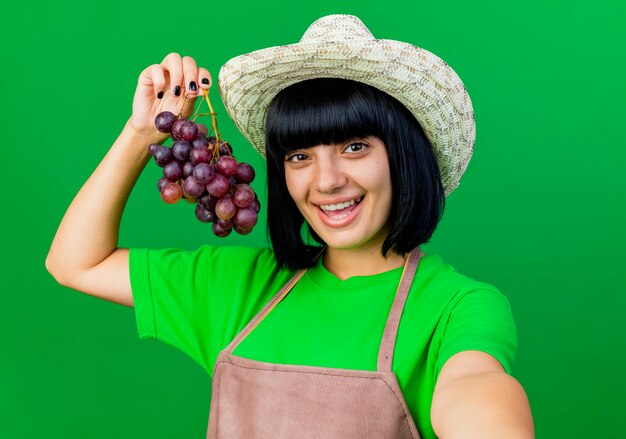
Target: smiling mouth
[340,210]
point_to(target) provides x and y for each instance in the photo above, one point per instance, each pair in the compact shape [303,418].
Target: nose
[329,174]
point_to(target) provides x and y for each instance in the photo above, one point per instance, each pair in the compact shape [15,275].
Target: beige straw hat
[340,46]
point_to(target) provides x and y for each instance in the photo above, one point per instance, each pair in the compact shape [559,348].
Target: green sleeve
[197,301]
[479,319]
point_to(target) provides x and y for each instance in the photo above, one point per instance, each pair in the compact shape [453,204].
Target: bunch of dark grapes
[202,170]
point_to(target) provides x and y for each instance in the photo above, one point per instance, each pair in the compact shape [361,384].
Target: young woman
[351,332]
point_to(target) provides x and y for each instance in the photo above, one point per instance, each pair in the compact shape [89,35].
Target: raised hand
[173,85]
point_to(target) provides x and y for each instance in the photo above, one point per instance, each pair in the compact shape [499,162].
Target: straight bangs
[320,112]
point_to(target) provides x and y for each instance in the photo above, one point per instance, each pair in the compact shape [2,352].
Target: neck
[345,263]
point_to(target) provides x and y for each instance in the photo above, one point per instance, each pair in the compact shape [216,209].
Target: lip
[339,222]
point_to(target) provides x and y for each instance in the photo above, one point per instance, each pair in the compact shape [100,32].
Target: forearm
[487,405]
[89,231]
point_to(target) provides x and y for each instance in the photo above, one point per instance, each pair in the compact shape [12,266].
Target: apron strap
[268,307]
[388,343]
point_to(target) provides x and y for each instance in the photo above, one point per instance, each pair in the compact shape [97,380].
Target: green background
[540,212]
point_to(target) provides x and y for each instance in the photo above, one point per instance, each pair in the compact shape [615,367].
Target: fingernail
[160,95]
[177,90]
[205,80]
[192,86]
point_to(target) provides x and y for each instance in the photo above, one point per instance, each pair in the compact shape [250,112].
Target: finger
[159,83]
[173,64]
[190,72]
[189,105]
[204,78]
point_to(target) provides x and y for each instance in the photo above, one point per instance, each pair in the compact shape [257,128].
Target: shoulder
[465,314]
[441,296]
[456,298]
[439,282]
[204,265]
[207,254]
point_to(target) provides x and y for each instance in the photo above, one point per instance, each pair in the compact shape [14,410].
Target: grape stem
[195,113]
[205,94]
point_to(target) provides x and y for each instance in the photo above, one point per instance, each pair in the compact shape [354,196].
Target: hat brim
[420,80]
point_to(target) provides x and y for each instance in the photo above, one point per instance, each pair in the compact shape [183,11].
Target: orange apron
[253,399]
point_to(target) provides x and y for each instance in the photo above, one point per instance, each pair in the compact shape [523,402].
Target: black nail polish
[192,86]
[160,95]
[205,80]
[177,90]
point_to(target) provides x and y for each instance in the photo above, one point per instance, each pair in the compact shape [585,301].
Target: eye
[355,148]
[297,157]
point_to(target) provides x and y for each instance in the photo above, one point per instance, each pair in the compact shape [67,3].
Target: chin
[349,241]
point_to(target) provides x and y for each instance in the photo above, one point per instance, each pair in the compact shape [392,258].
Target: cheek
[379,177]
[292,184]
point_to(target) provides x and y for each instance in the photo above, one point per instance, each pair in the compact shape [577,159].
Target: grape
[242,231]
[176,134]
[225,208]
[245,218]
[227,224]
[227,166]
[171,193]
[218,186]
[181,150]
[189,131]
[225,149]
[164,121]
[173,171]
[221,231]
[207,201]
[162,182]
[200,154]
[192,187]
[203,172]
[200,141]
[153,147]
[184,129]
[163,155]
[204,215]
[244,195]
[202,130]
[244,174]
[187,169]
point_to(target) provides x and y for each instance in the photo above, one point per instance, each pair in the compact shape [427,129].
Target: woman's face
[343,191]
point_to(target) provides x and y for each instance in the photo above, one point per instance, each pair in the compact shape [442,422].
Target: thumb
[188,106]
